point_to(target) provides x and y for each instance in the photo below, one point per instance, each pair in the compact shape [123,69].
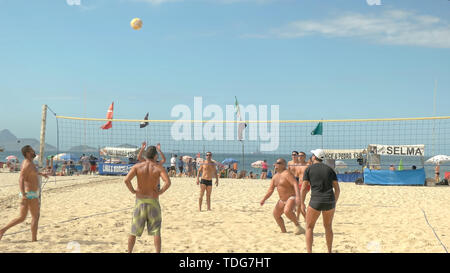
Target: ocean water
[246,160]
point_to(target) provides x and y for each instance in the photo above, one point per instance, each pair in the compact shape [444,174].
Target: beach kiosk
[375,175]
[333,155]
[112,166]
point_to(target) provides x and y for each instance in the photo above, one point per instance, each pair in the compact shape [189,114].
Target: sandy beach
[93,214]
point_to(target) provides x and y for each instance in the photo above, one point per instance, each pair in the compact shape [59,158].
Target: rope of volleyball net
[294,134]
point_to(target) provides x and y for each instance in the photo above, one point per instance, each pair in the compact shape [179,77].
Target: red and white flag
[109,115]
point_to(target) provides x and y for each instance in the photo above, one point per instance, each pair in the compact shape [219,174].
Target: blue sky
[316,59]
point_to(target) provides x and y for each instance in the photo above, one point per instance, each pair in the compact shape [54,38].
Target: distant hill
[9,142]
[83,149]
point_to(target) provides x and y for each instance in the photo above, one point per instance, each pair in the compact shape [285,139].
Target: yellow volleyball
[136,23]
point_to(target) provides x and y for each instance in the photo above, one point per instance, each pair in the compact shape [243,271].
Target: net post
[42,140]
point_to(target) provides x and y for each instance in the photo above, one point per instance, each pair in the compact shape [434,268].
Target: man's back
[148,174]
[321,177]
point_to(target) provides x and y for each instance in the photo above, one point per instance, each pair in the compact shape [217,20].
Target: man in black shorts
[323,180]
[208,171]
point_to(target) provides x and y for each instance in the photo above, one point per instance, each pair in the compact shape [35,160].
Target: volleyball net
[259,140]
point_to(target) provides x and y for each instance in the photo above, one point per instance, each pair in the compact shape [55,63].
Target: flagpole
[243,155]
[322,132]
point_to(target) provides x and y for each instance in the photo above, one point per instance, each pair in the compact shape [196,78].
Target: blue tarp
[387,177]
[114,169]
[348,177]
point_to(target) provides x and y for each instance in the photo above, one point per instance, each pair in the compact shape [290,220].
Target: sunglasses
[209,155]
[294,154]
[278,163]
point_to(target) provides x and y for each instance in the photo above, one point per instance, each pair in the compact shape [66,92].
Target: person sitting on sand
[242,174]
[29,193]
[289,194]
[147,208]
[208,171]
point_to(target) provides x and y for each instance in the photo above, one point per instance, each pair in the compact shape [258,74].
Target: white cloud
[73,2]
[395,27]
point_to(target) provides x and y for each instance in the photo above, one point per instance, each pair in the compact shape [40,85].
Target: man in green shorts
[147,209]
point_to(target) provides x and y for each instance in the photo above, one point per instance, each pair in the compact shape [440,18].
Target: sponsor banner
[119,152]
[397,150]
[344,154]
[114,169]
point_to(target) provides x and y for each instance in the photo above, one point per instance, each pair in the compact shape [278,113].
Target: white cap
[319,153]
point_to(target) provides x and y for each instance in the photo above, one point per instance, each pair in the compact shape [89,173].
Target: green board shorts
[146,211]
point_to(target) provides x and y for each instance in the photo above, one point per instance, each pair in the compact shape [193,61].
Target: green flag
[318,130]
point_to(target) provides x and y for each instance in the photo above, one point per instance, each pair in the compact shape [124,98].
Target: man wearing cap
[323,180]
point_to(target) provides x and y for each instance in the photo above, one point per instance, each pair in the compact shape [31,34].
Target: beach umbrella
[257,164]
[65,157]
[12,158]
[229,161]
[340,164]
[438,159]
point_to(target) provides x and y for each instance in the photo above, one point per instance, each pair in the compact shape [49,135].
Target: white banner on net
[344,154]
[121,152]
[398,150]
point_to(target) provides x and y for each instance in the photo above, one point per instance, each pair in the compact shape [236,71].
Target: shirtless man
[289,194]
[147,209]
[161,162]
[208,170]
[293,165]
[29,193]
[297,168]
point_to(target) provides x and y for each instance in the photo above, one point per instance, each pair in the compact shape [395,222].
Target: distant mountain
[9,142]
[7,136]
[83,149]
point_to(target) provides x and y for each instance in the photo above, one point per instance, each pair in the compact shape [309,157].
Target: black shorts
[264,171]
[172,168]
[206,182]
[181,169]
[322,206]
[297,178]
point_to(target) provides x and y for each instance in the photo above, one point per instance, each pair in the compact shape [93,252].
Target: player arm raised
[140,158]
[163,157]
